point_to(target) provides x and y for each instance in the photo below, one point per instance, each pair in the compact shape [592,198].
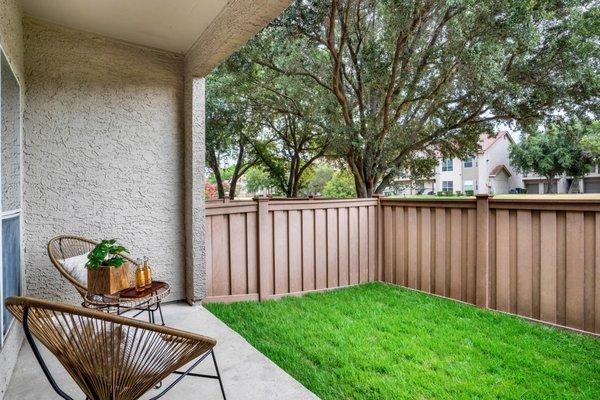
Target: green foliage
[226,174]
[557,150]
[392,82]
[591,140]
[318,178]
[341,185]
[106,254]
[229,123]
[258,180]
[379,341]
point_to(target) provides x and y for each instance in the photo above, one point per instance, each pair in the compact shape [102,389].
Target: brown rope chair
[110,357]
[63,247]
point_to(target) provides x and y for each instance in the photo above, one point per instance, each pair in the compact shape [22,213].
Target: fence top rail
[317,200]
[587,203]
[429,202]
[232,203]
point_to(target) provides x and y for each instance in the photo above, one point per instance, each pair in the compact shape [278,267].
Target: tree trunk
[232,187]
[214,165]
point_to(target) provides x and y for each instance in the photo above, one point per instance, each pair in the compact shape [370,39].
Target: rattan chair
[110,357]
[64,247]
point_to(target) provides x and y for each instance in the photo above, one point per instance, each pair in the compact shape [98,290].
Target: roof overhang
[206,31]
[498,169]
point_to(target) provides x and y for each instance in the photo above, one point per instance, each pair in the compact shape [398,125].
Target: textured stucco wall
[103,151]
[194,188]
[11,40]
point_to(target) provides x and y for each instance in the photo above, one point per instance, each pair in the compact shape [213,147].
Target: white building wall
[498,154]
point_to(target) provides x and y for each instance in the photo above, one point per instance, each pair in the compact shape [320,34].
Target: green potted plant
[108,269]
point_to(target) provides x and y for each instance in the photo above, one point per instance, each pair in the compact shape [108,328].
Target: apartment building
[487,172]
[565,184]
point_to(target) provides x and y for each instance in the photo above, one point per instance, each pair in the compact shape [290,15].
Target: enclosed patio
[103,169]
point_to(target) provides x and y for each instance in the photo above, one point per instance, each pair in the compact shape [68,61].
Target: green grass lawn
[377,341]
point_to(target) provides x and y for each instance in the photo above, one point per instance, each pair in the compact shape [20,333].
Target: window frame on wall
[469,162]
[13,213]
[467,186]
[447,165]
[448,188]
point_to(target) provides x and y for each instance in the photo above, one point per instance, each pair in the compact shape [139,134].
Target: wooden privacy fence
[262,249]
[537,258]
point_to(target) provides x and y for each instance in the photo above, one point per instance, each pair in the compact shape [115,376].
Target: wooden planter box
[108,280]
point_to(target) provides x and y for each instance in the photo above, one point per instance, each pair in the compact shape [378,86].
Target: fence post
[265,273]
[379,238]
[483,251]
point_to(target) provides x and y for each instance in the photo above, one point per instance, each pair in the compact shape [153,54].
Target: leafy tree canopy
[401,80]
[341,185]
[554,151]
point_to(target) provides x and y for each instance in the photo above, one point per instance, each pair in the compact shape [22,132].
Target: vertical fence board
[440,251]
[589,273]
[425,249]
[493,281]
[363,231]
[502,260]
[372,243]
[332,250]
[524,263]
[343,246]
[548,293]
[575,316]
[561,268]
[320,249]
[280,251]
[353,244]
[597,274]
[513,260]
[389,233]
[252,253]
[413,246]
[308,250]
[237,253]
[455,253]
[400,247]
[220,256]
[208,247]
[535,252]
[295,250]
[464,237]
[471,255]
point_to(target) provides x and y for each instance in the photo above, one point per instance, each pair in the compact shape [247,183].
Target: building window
[447,165]
[470,162]
[447,186]
[469,185]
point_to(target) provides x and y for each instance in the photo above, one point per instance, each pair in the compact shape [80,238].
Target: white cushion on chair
[75,266]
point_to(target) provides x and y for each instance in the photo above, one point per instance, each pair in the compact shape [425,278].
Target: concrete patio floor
[246,373]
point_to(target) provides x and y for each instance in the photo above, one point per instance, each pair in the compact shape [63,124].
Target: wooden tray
[131,293]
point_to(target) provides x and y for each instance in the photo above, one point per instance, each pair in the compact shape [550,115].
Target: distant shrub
[459,193]
[469,193]
[440,193]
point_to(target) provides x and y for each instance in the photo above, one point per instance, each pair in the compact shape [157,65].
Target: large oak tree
[412,78]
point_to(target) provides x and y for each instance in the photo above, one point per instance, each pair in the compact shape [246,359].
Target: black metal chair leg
[212,352]
[39,358]
[162,319]
[150,315]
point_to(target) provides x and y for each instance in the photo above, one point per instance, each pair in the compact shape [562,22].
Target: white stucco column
[195,271]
